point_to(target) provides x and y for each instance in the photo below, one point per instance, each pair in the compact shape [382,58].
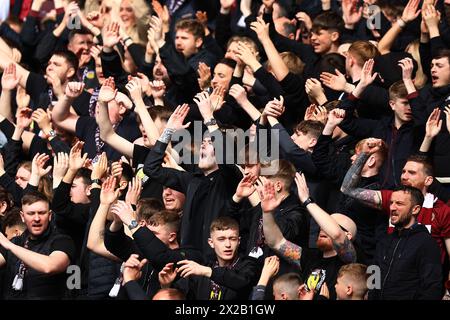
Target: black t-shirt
[312,259]
[150,188]
[37,285]
[86,130]
[41,95]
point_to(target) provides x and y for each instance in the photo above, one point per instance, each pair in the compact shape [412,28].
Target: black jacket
[401,142]
[422,105]
[410,267]
[235,284]
[216,188]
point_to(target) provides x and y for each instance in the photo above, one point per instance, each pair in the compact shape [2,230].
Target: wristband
[166,135]
[307,201]
[97,181]
[401,23]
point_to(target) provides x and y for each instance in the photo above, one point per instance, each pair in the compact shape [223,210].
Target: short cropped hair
[147,207]
[356,273]
[398,91]
[168,218]
[223,223]
[33,197]
[192,26]
[329,21]
[311,127]
[425,161]
[286,171]
[416,195]
[363,51]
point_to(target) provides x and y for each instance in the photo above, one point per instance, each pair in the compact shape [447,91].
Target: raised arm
[349,187]
[272,233]
[341,243]
[108,195]
[106,94]
[9,83]
[409,14]
[432,129]
[278,66]
[61,111]
[6,60]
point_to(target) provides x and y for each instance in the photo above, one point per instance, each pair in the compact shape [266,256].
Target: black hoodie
[410,266]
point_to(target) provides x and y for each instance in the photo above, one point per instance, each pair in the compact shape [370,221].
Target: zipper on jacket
[390,265]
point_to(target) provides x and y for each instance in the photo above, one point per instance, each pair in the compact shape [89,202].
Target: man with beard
[335,247]
[45,90]
[408,258]
[417,173]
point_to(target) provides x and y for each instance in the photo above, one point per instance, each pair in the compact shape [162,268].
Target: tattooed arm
[275,240]
[371,198]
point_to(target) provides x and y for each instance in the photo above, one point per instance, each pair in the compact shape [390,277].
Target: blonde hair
[138,32]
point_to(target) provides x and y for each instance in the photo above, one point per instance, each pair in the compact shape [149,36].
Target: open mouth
[434,79]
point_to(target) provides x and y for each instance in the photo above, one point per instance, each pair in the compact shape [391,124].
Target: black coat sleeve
[135,291]
[239,278]
[120,245]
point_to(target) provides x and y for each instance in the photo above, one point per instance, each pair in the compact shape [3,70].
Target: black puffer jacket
[410,266]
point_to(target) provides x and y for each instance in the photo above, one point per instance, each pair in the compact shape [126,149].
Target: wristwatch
[133,225]
[307,201]
[211,122]
[97,181]
[51,134]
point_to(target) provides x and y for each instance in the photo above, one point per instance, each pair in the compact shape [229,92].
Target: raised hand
[407,68]
[38,163]
[53,78]
[94,17]
[302,187]
[158,88]
[111,35]
[431,17]
[134,191]
[271,267]
[372,145]
[177,118]
[246,187]
[117,169]
[246,54]
[315,91]
[204,76]
[238,93]
[133,268]
[163,14]
[124,211]
[158,35]
[274,108]
[447,117]
[167,275]
[9,77]
[217,97]
[61,165]
[108,195]
[266,191]
[40,116]
[76,160]
[23,117]
[351,15]
[134,88]
[366,78]
[261,29]
[144,81]
[100,168]
[434,124]
[203,101]
[108,91]
[303,17]
[410,11]
[336,81]
[74,89]
[335,117]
